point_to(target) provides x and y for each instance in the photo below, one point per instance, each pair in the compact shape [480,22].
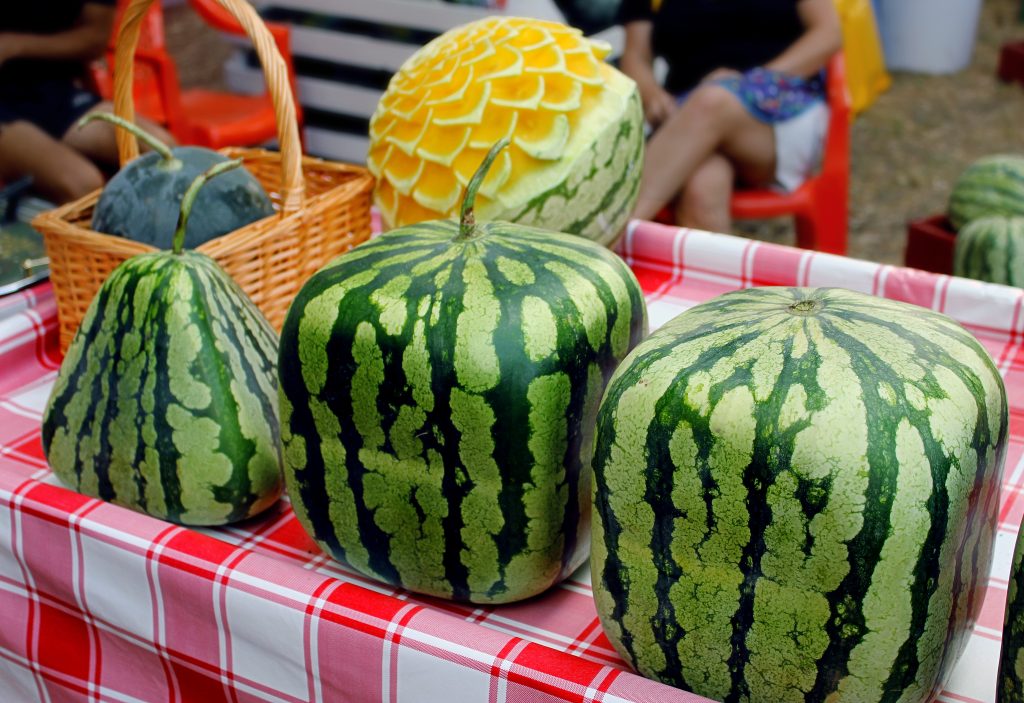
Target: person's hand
[721,73]
[658,105]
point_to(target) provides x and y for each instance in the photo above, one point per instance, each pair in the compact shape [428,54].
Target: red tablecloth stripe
[100,603]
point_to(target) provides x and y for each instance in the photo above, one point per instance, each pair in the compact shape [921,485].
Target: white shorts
[799,146]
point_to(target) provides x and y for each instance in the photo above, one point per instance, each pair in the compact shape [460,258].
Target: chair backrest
[836,161]
[214,14]
[156,90]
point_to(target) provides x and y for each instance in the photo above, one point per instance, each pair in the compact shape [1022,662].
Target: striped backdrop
[345,52]
[101,604]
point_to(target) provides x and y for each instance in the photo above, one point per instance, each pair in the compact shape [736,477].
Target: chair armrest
[836,162]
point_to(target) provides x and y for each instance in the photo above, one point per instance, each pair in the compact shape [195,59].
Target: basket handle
[292,183]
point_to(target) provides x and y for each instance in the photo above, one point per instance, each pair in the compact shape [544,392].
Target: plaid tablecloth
[100,603]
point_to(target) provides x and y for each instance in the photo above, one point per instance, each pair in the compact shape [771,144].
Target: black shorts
[52,105]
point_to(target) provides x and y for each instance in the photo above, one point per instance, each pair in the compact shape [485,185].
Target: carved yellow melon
[575,123]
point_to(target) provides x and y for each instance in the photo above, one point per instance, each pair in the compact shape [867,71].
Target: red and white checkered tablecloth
[99,603]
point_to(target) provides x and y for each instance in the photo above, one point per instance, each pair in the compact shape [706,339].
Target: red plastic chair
[196,116]
[156,79]
[821,204]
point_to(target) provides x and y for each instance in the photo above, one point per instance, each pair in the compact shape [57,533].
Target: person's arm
[822,37]
[637,62]
[86,41]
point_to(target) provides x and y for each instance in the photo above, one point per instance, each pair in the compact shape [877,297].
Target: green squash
[166,400]
[439,387]
[142,200]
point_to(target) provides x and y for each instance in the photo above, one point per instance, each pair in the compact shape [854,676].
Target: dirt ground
[907,148]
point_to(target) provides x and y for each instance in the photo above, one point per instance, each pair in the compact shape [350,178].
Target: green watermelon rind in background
[166,400]
[1010,688]
[993,185]
[438,401]
[991,249]
[796,496]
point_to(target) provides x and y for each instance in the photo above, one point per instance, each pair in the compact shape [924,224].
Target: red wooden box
[930,243]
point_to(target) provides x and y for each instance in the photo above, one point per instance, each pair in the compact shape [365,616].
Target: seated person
[744,99]
[45,47]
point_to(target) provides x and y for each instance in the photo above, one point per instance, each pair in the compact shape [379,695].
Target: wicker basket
[323,207]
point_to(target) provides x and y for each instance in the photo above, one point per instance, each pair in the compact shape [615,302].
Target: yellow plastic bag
[865,62]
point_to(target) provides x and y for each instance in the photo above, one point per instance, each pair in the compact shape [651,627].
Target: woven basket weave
[323,207]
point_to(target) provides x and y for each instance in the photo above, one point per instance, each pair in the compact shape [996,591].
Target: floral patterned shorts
[771,96]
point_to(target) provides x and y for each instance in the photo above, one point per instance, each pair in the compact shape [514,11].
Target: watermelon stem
[151,141]
[188,200]
[804,307]
[467,219]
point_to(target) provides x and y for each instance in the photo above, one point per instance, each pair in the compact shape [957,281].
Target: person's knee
[76,181]
[157,131]
[711,185]
[712,102]
[706,197]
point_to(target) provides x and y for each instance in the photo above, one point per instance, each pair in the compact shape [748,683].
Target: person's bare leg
[59,172]
[704,202]
[710,120]
[752,153]
[97,139]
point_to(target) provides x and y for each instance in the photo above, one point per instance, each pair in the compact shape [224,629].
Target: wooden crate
[930,243]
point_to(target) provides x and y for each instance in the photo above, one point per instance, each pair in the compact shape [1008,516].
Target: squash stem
[178,243]
[467,219]
[151,141]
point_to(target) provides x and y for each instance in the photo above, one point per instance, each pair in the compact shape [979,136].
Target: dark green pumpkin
[166,400]
[141,202]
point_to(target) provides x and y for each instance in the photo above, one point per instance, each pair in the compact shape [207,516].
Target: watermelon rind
[991,249]
[796,498]
[993,185]
[438,395]
[166,400]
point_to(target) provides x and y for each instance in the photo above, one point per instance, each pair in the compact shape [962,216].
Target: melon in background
[991,249]
[796,498]
[439,388]
[993,185]
[575,123]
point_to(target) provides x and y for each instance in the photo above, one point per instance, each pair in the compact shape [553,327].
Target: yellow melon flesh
[541,84]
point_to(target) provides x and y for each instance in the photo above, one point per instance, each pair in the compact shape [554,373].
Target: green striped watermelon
[796,498]
[993,185]
[991,249]
[1011,660]
[439,387]
[166,400]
